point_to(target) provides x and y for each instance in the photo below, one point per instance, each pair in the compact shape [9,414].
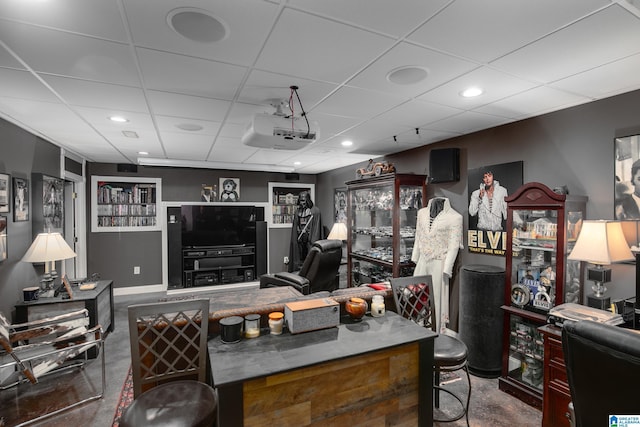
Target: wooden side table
[98,301]
[556,395]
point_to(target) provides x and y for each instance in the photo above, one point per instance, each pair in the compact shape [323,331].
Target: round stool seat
[448,351]
[178,403]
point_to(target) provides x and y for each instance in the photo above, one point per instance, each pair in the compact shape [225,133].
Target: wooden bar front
[377,373]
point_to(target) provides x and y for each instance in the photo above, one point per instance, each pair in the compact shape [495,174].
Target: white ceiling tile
[496,85]
[489,29]
[468,122]
[149,27]
[241,113]
[239,153]
[262,87]
[611,34]
[170,124]
[69,54]
[172,104]
[8,60]
[23,84]
[417,113]
[379,15]
[187,75]
[97,18]
[607,80]
[102,95]
[99,117]
[357,103]
[440,68]
[330,124]
[533,102]
[185,146]
[343,49]
[232,130]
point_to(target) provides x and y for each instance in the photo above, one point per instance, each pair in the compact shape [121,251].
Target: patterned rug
[126,397]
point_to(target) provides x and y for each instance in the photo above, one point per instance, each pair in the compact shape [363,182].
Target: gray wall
[22,153]
[113,255]
[573,147]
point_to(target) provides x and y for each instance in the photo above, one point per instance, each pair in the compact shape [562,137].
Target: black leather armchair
[319,271]
[603,370]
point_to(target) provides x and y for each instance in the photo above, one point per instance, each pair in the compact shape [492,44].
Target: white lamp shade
[601,242]
[338,231]
[48,247]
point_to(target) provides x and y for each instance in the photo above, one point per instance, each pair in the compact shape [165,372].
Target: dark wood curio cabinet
[542,227]
[382,214]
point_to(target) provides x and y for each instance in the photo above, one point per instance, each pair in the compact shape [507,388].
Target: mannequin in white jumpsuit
[438,240]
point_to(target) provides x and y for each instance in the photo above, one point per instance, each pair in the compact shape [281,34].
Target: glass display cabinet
[382,213]
[542,227]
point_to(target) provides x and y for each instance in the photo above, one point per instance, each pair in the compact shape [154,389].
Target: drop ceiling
[66,66]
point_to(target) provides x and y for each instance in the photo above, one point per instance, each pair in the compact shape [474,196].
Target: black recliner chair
[603,371]
[319,271]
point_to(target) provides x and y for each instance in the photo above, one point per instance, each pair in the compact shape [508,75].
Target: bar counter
[374,372]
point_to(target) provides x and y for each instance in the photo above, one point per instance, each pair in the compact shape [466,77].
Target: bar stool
[414,302]
[179,403]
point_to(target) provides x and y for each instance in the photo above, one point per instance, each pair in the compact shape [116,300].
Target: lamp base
[602,302]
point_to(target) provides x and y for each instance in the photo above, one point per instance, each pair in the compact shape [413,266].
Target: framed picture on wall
[4,192]
[229,189]
[3,237]
[340,205]
[283,199]
[53,203]
[627,177]
[20,199]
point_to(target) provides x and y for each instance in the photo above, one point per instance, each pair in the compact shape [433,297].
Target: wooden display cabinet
[555,410]
[542,227]
[382,214]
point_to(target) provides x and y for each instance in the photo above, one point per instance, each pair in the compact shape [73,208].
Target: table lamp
[339,232]
[600,242]
[48,248]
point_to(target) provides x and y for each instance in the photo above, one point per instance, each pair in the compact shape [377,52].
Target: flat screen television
[210,226]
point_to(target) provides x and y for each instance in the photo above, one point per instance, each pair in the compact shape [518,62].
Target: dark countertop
[272,354]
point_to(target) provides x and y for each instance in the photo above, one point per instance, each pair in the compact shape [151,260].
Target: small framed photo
[209,193]
[3,237]
[20,199]
[5,187]
[229,189]
[340,205]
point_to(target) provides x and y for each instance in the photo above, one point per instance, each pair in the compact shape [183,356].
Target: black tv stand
[218,265]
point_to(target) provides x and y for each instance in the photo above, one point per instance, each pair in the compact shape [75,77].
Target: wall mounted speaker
[127,167]
[444,165]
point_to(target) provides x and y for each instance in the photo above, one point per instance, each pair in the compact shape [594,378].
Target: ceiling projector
[280,132]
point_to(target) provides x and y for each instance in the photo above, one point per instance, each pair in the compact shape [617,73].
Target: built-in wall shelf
[121,204]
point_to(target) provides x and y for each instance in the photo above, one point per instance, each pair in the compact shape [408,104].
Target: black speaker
[444,165]
[174,247]
[127,167]
[292,176]
[261,248]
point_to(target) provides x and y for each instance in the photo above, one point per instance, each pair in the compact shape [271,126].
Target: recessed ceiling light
[129,134]
[143,153]
[471,92]
[347,143]
[118,119]
[407,75]
[191,127]
[297,163]
[197,25]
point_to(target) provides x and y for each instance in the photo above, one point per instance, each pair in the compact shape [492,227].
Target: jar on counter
[252,325]
[377,306]
[276,321]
